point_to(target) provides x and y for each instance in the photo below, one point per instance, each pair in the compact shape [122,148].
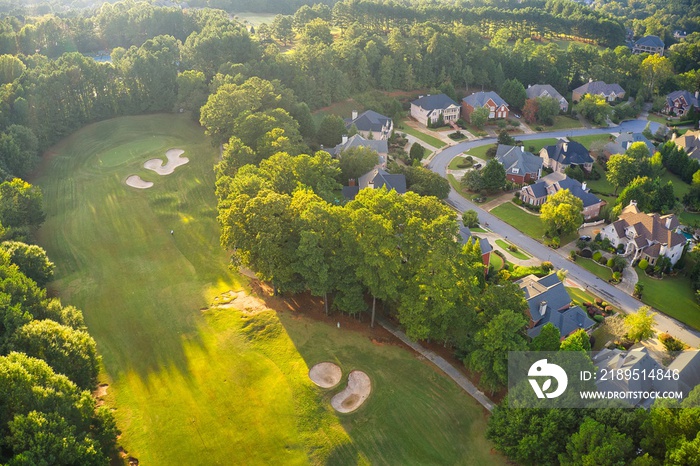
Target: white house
[427,109]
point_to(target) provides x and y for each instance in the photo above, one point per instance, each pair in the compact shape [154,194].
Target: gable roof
[369,121]
[690,142]
[434,102]
[599,87]
[479,99]
[650,41]
[542,90]
[548,302]
[689,98]
[628,138]
[516,161]
[558,181]
[465,233]
[569,152]
[650,229]
[376,178]
[380,146]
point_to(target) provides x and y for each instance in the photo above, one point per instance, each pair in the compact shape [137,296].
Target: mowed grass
[561,122]
[517,253]
[530,224]
[426,138]
[596,269]
[673,296]
[197,386]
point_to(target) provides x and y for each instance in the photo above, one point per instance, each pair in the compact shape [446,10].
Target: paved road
[603,289]
[442,364]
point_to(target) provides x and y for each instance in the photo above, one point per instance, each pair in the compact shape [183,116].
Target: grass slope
[218,386]
[673,296]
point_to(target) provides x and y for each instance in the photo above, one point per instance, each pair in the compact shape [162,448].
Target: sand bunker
[174,161]
[325,374]
[358,389]
[135,181]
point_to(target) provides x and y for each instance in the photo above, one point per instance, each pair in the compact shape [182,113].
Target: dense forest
[254,91]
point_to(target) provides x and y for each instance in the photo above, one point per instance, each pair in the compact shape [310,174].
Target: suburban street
[594,284]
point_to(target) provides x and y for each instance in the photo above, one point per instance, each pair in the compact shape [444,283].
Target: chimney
[543,307]
[697,94]
[344,139]
[529,86]
[590,80]
[584,186]
[354,115]
[633,203]
[351,182]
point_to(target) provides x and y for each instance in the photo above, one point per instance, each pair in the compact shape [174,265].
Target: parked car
[585,238]
[477,166]
[516,115]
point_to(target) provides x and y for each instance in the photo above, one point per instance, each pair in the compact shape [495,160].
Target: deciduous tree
[561,213]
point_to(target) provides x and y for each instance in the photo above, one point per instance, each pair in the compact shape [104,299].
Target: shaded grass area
[529,224]
[680,187]
[595,268]
[673,296]
[342,109]
[496,262]
[218,386]
[426,138]
[517,254]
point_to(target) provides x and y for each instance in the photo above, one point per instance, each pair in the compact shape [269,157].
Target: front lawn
[426,138]
[528,223]
[455,162]
[591,140]
[496,262]
[660,119]
[561,122]
[518,254]
[596,269]
[479,151]
[673,296]
[536,145]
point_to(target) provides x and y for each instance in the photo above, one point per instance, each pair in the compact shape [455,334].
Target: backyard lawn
[518,254]
[198,384]
[528,223]
[673,296]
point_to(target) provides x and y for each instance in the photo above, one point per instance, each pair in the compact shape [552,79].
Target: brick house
[521,166]
[497,107]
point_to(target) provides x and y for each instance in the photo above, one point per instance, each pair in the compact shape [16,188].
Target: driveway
[609,292]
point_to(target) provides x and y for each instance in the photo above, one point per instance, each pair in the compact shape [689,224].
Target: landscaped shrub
[643,264]
[610,262]
[512,248]
[617,276]
[572,255]
[547,266]
[457,135]
[598,301]
[609,309]
[587,253]
[598,318]
[671,344]
[597,256]
[602,260]
[554,242]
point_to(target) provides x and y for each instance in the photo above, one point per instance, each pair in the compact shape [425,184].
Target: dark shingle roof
[465,233]
[479,99]
[379,146]
[434,102]
[542,90]
[599,87]
[627,139]
[368,121]
[516,161]
[568,153]
[378,178]
[567,321]
[689,98]
[650,41]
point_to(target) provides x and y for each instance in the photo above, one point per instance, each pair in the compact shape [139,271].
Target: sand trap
[358,389]
[135,181]
[174,161]
[325,374]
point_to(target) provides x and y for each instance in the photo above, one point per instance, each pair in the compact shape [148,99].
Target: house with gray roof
[565,154]
[371,124]
[679,103]
[521,166]
[646,236]
[534,91]
[428,109]
[465,235]
[380,146]
[375,179]
[548,302]
[497,107]
[689,142]
[537,194]
[649,44]
[624,141]
[611,92]
[686,365]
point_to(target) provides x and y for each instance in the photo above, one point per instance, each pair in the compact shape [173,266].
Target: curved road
[603,289]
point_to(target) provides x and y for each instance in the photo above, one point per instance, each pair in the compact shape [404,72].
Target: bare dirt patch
[174,161]
[325,374]
[358,389]
[240,300]
[135,181]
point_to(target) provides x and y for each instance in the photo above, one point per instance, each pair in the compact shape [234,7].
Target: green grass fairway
[673,296]
[197,386]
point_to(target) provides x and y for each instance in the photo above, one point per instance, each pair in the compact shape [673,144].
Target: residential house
[521,166]
[564,154]
[546,90]
[689,142]
[649,44]
[486,249]
[624,141]
[497,107]
[427,109]
[679,103]
[537,194]
[548,302]
[611,92]
[380,146]
[375,179]
[679,35]
[640,360]
[371,125]
[646,236]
